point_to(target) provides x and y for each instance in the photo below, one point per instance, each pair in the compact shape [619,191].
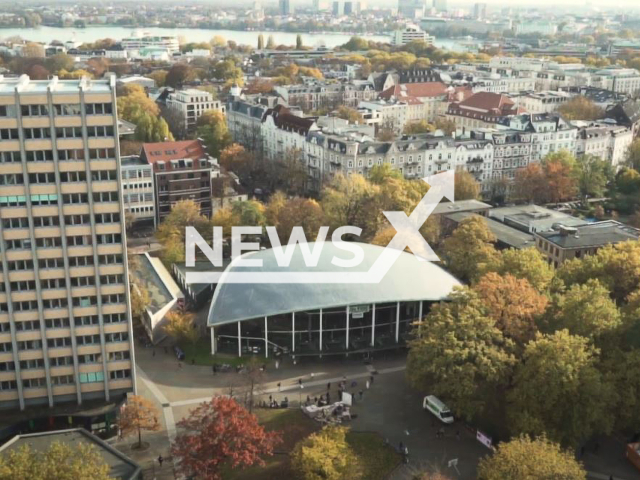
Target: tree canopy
[325,455]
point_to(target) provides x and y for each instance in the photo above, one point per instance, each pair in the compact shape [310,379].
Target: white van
[439,409]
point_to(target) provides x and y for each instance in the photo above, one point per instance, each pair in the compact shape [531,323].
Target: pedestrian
[328,398]
[401,447]
[300,383]
[441,432]
[308,400]
[312,374]
[367,384]
[270,398]
[371,378]
[279,386]
[154,353]
[160,460]
[406,455]
[214,369]
[277,364]
[354,384]
[360,393]
[458,435]
[328,386]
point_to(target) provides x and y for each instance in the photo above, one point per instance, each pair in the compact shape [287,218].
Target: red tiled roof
[419,90]
[489,102]
[163,151]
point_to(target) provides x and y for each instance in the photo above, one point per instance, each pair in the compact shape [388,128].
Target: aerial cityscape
[320,240]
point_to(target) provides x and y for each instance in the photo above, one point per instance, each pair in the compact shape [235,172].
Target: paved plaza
[389,407]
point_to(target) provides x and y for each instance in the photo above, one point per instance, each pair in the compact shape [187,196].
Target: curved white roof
[407,280]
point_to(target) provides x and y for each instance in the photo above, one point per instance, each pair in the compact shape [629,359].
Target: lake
[93,33]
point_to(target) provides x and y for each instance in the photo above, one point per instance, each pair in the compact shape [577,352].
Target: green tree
[271,43]
[260,42]
[558,390]
[527,263]
[325,455]
[181,327]
[615,266]
[593,175]
[512,303]
[524,458]
[212,128]
[460,340]
[356,43]
[134,106]
[179,74]
[299,42]
[466,186]
[350,114]
[469,251]
[417,127]
[580,108]
[633,155]
[447,126]
[60,461]
[586,310]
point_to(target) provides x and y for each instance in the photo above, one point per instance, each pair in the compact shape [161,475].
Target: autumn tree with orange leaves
[221,433]
[553,180]
[513,303]
[137,415]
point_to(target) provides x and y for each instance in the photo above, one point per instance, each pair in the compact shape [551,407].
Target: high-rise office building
[411,8]
[440,5]
[285,7]
[65,322]
[480,11]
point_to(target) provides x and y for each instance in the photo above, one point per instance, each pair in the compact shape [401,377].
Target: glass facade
[322,332]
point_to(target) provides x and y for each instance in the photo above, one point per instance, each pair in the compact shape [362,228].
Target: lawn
[377,460]
[200,352]
[294,426]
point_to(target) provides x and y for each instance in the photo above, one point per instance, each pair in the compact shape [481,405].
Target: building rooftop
[163,151]
[152,275]
[506,235]
[407,279]
[461,206]
[25,85]
[533,218]
[121,466]
[592,235]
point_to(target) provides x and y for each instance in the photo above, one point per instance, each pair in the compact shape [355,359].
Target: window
[86,320]
[12,179]
[98,108]
[83,281]
[11,157]
[117,337]
[9,134]
[28,325]
[29,345]
[59,342]
[31,364]
[85,301]
[57,323]
[55,303]
[34,382]
[39,155]
[117,356]
[8,385]
[60,361]
[21,222]
[91,377]
[62,380]
[34,110]
[119,374]
[67,109]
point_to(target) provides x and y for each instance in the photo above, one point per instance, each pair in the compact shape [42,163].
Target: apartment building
[549,132]
[540,102]
[65,322]
[244,120]
[424,100]
[607,142]
[181,171]
[511,151]
[191,104]
[317,94]
[137,190]
[480,110]
[476,157]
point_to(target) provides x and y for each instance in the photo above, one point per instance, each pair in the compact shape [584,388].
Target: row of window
[84,261]
[56,303]
[64,155]
[10,111]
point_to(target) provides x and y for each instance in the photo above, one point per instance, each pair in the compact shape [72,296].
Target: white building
[543,28]
[411,33]
[165,42]
[607,142]
[137,189]
[549,133]
[541,102]
[476,157]
[191,103]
